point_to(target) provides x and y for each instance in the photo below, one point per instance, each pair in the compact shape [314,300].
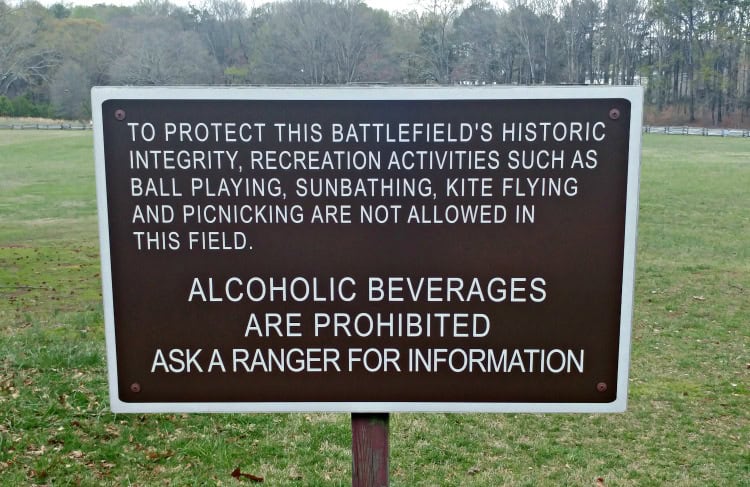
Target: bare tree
[625,30]
[355,32]
[437,52]
[293,45]
[548,13]
[581,21]
[527,29]
[163,55]
[23,60]
[320,41]
[69,91]
[480,45]
[227,29]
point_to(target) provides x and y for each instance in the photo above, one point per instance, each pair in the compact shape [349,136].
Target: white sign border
[634,94]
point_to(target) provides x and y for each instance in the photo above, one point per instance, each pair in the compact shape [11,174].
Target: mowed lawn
[688,419]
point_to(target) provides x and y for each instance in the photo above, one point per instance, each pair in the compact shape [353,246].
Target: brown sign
[458,250]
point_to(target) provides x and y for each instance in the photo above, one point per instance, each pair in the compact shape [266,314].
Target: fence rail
[685,130]
[44,126]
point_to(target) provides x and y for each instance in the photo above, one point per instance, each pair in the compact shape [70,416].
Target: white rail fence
[648,129]
[685,130]
[45,126]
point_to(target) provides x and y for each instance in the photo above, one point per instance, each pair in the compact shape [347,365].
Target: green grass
[687,424]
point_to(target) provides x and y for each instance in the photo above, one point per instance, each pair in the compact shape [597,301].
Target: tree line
[692,56]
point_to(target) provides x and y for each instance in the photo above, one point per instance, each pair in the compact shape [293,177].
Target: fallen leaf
[236,473]
[36,451]
[112,430]
[76,454]
[474,470]
[153,455]
[38,474]
[600,482]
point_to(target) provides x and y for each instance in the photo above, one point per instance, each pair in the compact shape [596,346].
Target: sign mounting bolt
[135,387]
[614,113]
[120,114]
[601,387]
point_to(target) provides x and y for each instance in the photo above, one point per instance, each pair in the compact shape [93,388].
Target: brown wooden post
[370,449]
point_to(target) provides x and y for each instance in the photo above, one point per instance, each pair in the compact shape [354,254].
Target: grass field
[687,424]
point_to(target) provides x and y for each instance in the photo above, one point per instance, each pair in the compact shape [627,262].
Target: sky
[390,5]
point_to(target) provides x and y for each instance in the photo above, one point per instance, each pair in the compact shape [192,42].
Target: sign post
[370,449]
[453,249]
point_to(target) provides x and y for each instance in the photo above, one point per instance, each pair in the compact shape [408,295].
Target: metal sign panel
[363,250]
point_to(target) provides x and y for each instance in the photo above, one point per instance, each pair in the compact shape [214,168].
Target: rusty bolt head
[614,114]
[601,387]
[135,387]
[120,114]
